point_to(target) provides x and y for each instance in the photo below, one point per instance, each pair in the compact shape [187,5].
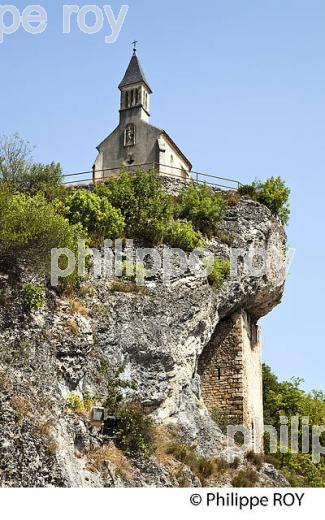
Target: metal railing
[171,171]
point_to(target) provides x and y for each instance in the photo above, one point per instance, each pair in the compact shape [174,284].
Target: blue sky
[240,86]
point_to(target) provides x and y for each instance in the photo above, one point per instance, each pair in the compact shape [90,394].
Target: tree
[286,398]
[41,177]
[18,169]
[15,157]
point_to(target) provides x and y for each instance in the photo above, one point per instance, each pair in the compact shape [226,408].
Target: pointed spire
[134,73]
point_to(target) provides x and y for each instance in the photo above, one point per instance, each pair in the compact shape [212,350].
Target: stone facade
[231,375]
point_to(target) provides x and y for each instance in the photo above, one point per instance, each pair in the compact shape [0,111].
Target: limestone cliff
[169,340]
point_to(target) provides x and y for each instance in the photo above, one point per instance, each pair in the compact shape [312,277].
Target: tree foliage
[18,170]
[286,398]
[134,433]
[145,206]
[180,234]
[202,206]
[15,157]
[273,193]
[96,214]
[30,228]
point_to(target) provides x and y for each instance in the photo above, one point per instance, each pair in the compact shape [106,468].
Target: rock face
[158,335]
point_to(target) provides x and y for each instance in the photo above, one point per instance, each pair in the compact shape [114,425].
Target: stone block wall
[231,375]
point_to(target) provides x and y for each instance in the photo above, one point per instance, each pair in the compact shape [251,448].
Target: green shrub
[33,296]
[88,400]
[95,214]
[245,478]
[220,271]
[40,178]
[273,193]
[80,404]
[145,206]
[181,234]
[202,206]
[16,353]
[134,433]
[30,228]
[115,387]
[248,190]
[75,402]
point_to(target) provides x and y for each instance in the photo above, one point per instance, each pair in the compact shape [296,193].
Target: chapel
[135,141]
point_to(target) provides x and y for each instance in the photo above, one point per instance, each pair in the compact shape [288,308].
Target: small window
[129,135]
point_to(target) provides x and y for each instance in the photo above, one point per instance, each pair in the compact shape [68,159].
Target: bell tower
[135,93]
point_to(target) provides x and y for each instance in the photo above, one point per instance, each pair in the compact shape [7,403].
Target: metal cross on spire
[135,46]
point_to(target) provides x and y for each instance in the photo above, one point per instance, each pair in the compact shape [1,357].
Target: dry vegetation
[98,459]
[77,307]
[128,287]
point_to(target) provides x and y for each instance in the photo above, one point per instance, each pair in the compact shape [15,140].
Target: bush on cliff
[96,215]
[273,193]
[30,228]
[145,206]
[180,234]
[134,434]
[220,270]
[202,206]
